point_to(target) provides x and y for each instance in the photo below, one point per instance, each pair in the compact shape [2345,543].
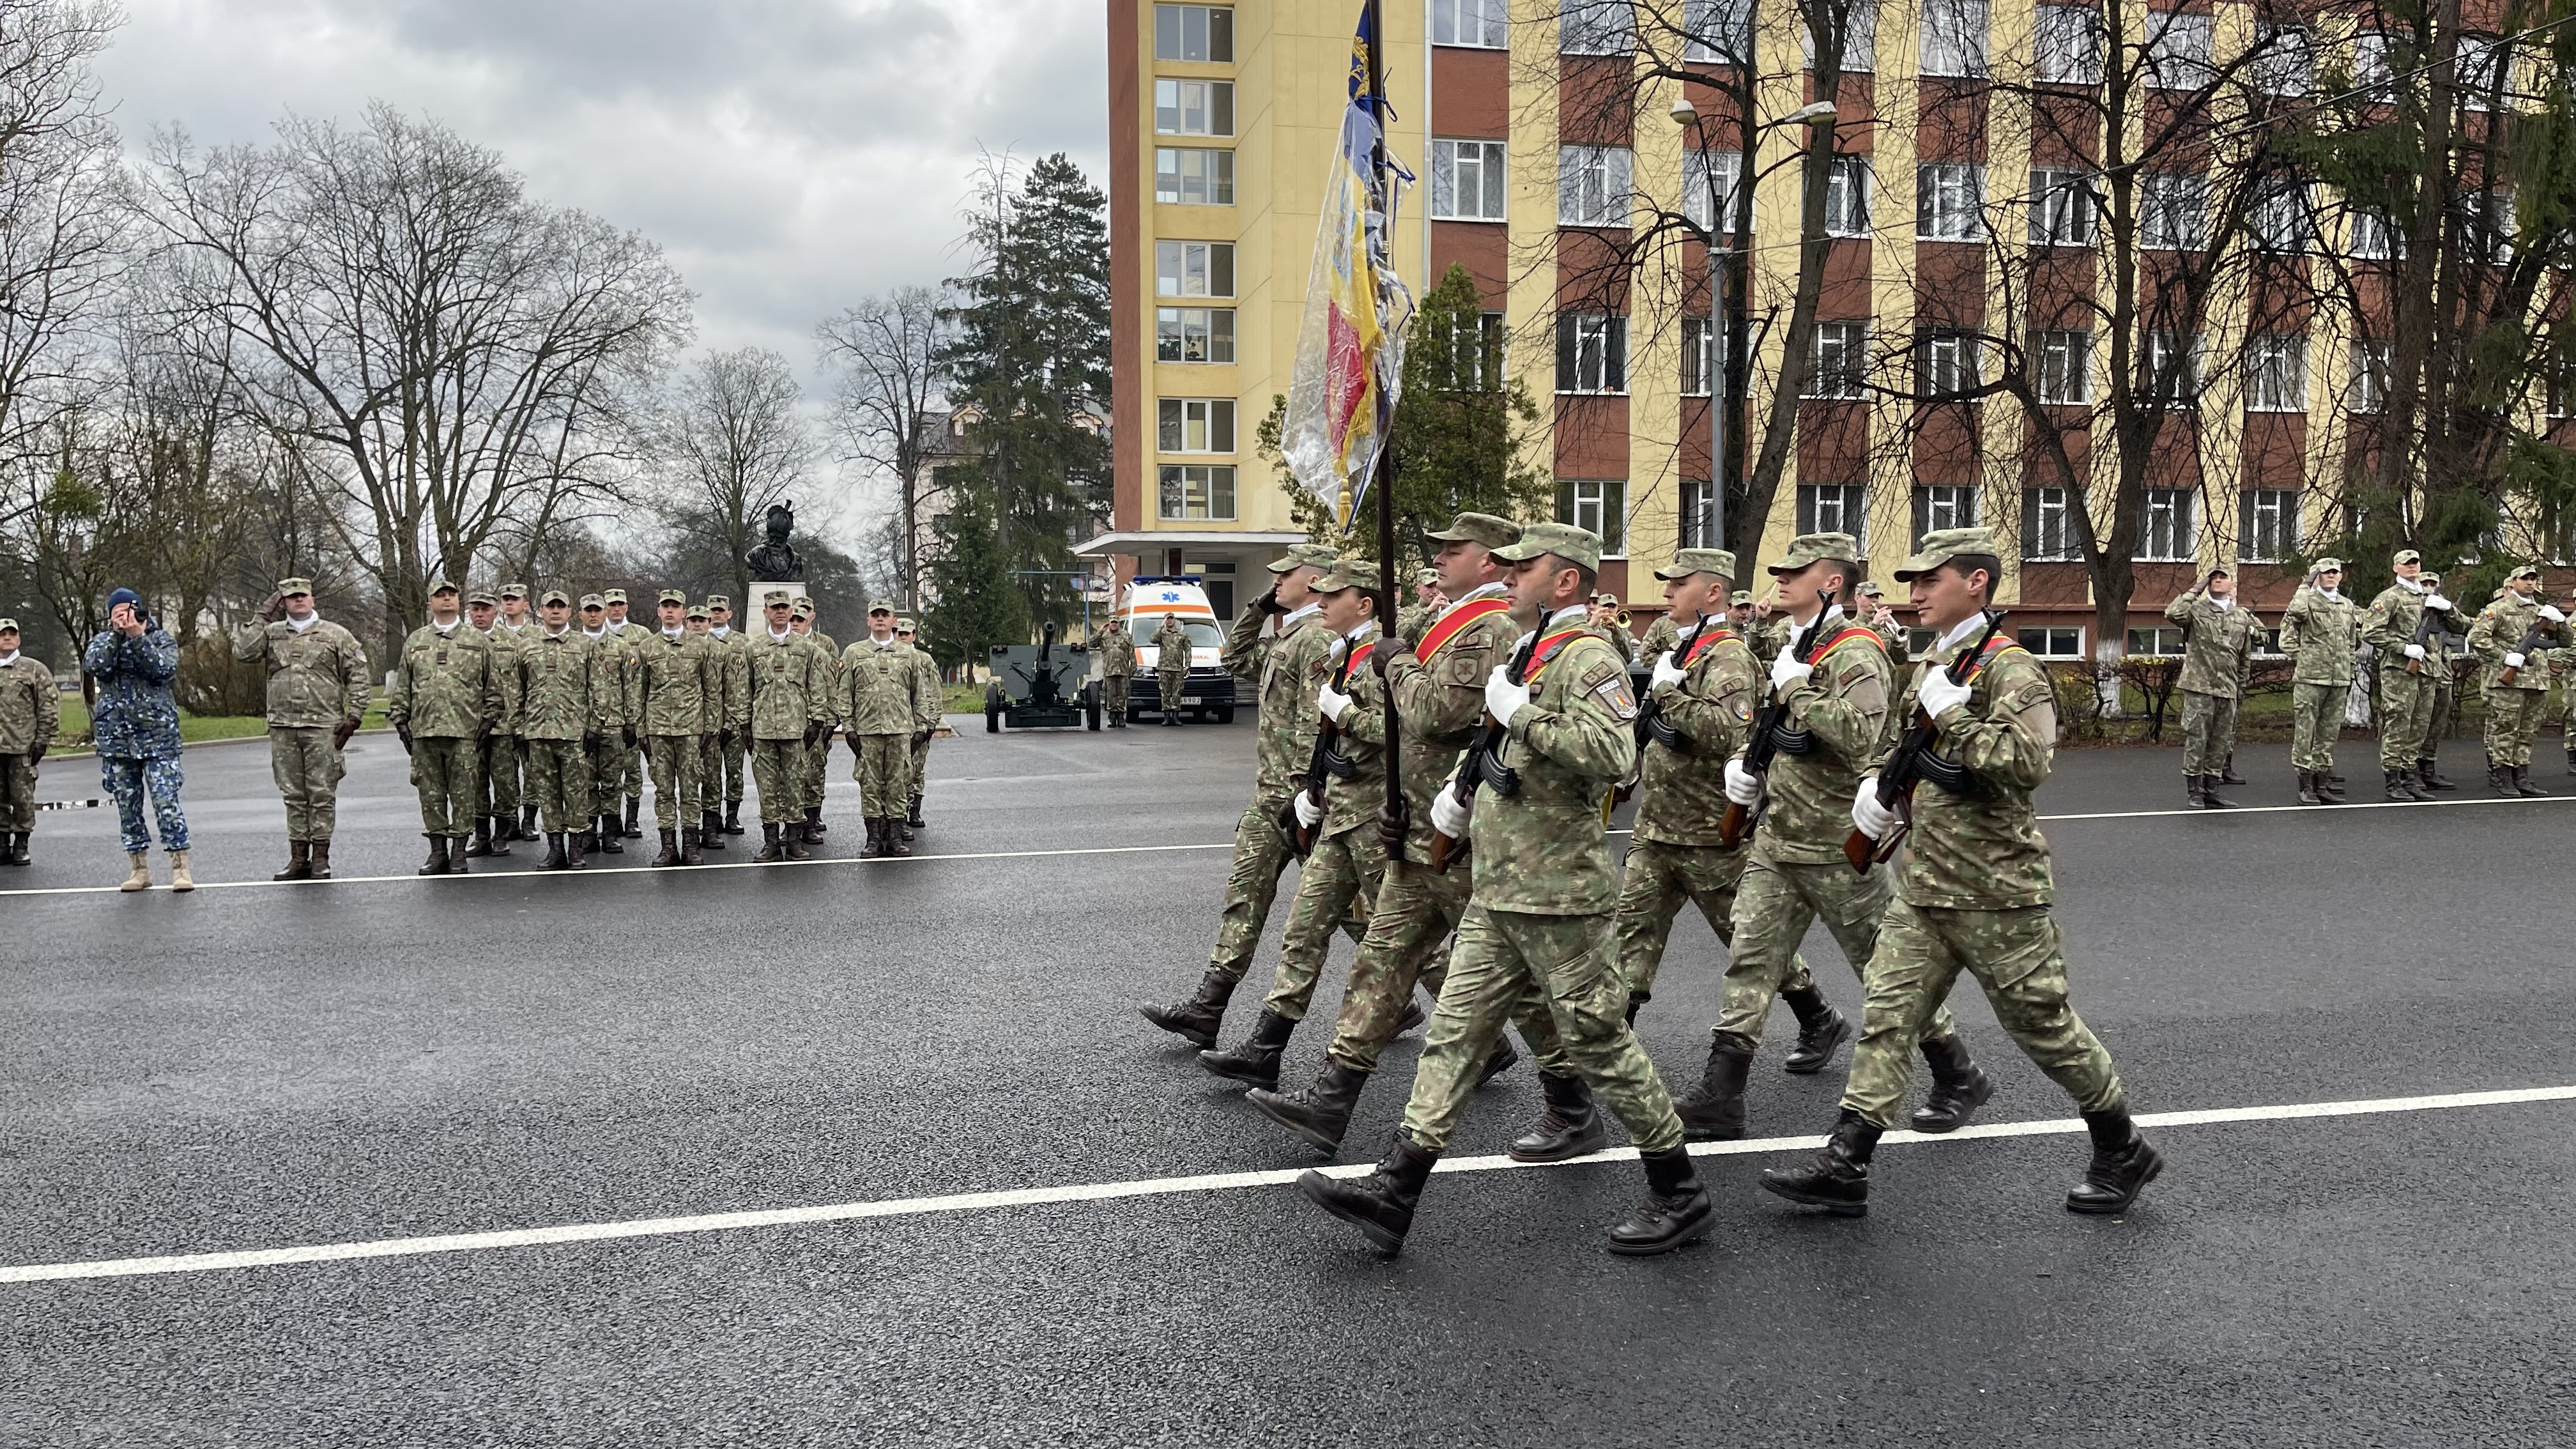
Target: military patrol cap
[1606,600]
[443,586]
[2326,566]
[879,606]
[1691,561]
[801,601]
[514,591]
[555,596]
[483,597]
[1869,589]
[1809,548]
[903,625]
[1942,545]
[1482,528]
[2526,571]
[1346,573]
[8,626]
[719,601]
[295,586]
[1572,544]
[1743,599]
[773,596]
[1304,555]
[613,596]
[593,601]
[698,611]
[2406,556]
[801,609]
[673,596]
[2220,570]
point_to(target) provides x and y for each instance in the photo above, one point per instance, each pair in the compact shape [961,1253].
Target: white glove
[2550,612]
[1786,670]
[1448,816]
[1741,786]
[1666,675]
[2513,661]
[1503,699]
[1938,695]
[1309,814]
[1332,701]
[1868,816]
[2414,651]
[2438,604]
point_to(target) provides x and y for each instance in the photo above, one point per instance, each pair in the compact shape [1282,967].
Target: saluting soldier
[565,684]
[614,735]
[317,692]
[1171,667]
[1539,915]
[679,692]
[1976,895]
[1837,701]
[732,750]
[2397,632]
[446,699]
[927,698]
[877,696]
[31,712]
[800,618]
[2321,632]
[2510,637]
[514,815]
[2218,647]
[1116,648]
[1282,658]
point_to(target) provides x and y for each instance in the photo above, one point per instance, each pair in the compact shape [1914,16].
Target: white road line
[1158,1187]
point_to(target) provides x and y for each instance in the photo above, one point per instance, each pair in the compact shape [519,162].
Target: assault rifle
[1896,782]
[1739,820]
[2531,638]
[2425,633]
[1320,766]
[1483,760]
[1651,726]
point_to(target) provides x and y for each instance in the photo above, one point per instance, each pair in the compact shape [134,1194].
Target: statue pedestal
[760,587]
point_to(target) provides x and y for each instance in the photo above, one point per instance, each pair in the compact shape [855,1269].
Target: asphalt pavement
[382,1057]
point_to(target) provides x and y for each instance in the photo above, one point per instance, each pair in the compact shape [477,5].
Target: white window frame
[1212,329]
[1835,508]
[2287,65]
[1847,188]
[1945,363]
[2484,63]
[2179,512]
[1481,337]
[1717,32]
[2173,210]
[2178,50]
[1214,104]
[1472,24]
[1949,201]
[1839,364]
[2374,237]
[2366,393]
[1699,356]
[1696,165]
[1945,505]
[1214,20]
[2282,220]
[2486,225]
[1599,505]
[1599,353]
[1191,167]
[1954,38]
[2062,365]
[1860,39]
[1195,425]
[1172,261]
[2063,209]
[2054,641]
[1469,180]
[1595,186]
[2276,373]
[2270,526]
[2066,41]
[1213,494]
[2158,351]
[1596,27]
[1699,515]
[2050,512]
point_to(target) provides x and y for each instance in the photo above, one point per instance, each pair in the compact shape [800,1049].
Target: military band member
[1116,648]
[1872,610]
[1539,915]
[679,692]
[927,692]
[445,702]
[318,687]
[1838,701]
[708,807]
[31,713]
[2512,636]
[2218,645]
[733,751]
[2445,671]
[2321,632]
[613,704]
[563,682]
[877,695]
[1171,667]
[790,707]
[800,618]
[512,811]
[1605,619]
[1975,895]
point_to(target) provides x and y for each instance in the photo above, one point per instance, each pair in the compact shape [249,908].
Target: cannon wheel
[992,710]
[1091,705]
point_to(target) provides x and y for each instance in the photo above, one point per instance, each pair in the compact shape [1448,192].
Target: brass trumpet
[1626,619]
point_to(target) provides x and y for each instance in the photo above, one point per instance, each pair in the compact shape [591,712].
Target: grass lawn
[197,728]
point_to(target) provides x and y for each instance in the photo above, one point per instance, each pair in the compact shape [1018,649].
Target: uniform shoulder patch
[1617,694]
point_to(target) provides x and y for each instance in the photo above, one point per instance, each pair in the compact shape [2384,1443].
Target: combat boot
[1322,1112]
[690,839]
[1713,1111]
[437,864]
[2210,799]
[1675,1211]
[1381,1204]
[2123,1164]
[711,830]
[321,860]
[604,834]
[2522,784]
[1959,1086]
[815,829]
[2191,792]
[554,851]
[2394,784]
[299,862]
[577,845]
[1837,1177]
[670,849]
[2330,787]
[2227,771]
[874,846]
[139,875]
[1821,1031]
[1257,1059]
[1501,1059]
[891,836]
[2431,779]
[792,841]
[1197,1019]
[2308,788]
[527,822]
[1408,1019]
[733,817]
[18,847]
[633,831]
[899,827]
[501,833]
[182,880]
[768,845]
[481,844]
[1569,1128]
[2500,780]
[914,819]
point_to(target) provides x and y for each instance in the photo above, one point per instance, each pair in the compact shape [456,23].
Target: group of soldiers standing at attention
[513,719]
[1757,785]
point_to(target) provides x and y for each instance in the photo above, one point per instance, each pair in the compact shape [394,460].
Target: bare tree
[888,408]
[732,441]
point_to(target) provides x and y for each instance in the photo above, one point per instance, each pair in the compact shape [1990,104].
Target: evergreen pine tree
[976,607]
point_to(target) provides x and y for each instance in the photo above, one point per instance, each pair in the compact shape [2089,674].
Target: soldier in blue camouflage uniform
[31,710]
[134,726]
[1975,896]
[1540,915]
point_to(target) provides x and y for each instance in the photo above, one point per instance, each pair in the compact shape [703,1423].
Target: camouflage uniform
[1662,637]
[878,695]
[2513,710]
[1339,882]
[791,689]
[2218,642]
[317,682]
[560,683]
[732,747]
[1117,650]
[614,711]
[679,701]
[134,726]
[446,697]
[1171,666]
[31,710]
[504,760]
[818,756]
[2320,633]
[1285,668]
[928,694]
[626,792]
[2405,695]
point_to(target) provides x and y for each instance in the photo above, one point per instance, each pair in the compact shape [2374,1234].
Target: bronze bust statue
[776,560]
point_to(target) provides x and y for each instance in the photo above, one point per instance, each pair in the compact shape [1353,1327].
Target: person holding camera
[317,691]
[134,726]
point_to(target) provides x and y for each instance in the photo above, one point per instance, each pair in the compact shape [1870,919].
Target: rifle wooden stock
[2530,640]
[1896,779]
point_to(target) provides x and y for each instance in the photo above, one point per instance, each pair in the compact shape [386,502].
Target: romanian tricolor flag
[1350,344]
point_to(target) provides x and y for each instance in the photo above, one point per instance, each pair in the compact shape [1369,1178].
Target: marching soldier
[732,751]
[31,712]
[1284,665]
[2404,641]
[1171,666]
[446,699]
[800,618]
[514,814]
[2320,631]
[614,734]
[494,824]
[679,692]
[2510,638]
[1976,895]
[2444,671]
[317,692]
[1117,650]
[1837,700]
[789,707]
[1539,915]
[564,684]
[877,694]
[927,693]
[2218,645]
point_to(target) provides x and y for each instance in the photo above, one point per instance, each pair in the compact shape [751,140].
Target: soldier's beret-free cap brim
[1564,540]
[556,596]
[8,626]
[1810,548]
[292,587]
[1303,555]
[1691,561]
[1944,544]
[1484,528]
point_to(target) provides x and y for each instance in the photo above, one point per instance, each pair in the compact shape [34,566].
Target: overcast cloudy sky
[791,155]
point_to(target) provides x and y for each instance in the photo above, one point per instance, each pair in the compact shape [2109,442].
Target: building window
[1197,491]
[2069,41]
[1194,32]
[2486,226]
[2172,366]
[2065,361]
[1476,354]
[1842,359]
[1860,39]
[2375,237]
[1467,180]
[1945,364]
[1194,334]
[1596,27]
[1847,197]
[2165,532]
[1719,31]
[2162,641]
[1484,24]
[2047,525]
[2173,210]
[2053,642]
[2276,373]
[2370,56]
[1194,269]
[1699,358]
[1592,185]
[2061,207]
[2280,221]
[1194,107]
[1949,201]
[1699,515]
[1698,169]
[1834,508]
[1188,176]
[1196,425]
[2271,525]
[1591,352]
[2562,388]
[1596,504]
[2287,64]
[2178,50]
[2370,364]
[1954,37]
[1943,505]
[2484,63]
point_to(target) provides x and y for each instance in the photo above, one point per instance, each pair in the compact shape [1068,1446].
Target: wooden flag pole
[1392,823]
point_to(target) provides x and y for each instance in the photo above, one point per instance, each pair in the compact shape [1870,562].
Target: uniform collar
[1576,611]
[307,622]
[1293,615]
[449,627]
[8,659]
[675,633]
[1959,632]
[1480,591]
[780,636]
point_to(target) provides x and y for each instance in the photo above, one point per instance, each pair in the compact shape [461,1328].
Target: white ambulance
[1149,598]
